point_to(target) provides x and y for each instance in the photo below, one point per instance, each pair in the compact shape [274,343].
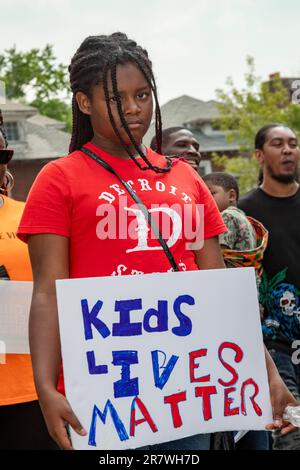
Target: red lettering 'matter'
[205,393]
[133,422]
[193,366]
[173,400]
[228,401]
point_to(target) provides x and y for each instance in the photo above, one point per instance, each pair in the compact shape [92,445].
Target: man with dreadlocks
[113,88]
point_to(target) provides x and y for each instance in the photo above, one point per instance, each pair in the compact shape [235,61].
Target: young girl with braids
[113,89]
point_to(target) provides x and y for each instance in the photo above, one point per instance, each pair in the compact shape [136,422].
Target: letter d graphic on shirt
[143,229]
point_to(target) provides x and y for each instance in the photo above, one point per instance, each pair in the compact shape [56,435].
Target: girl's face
[137,106]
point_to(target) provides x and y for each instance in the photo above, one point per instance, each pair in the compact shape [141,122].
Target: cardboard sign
[154,358]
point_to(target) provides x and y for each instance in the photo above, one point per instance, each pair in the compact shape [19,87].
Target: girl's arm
[49,256]
[210,256]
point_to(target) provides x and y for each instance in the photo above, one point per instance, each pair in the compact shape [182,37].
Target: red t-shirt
[77,198]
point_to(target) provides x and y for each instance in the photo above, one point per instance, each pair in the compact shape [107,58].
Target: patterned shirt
[240,233]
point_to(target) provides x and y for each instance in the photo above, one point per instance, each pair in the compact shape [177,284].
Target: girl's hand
[57,413]
[281,397]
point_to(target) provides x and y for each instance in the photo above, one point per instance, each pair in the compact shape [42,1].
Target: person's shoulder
[180,168]
[232,212]
[178,163]
[155,158]
[13,203]
[235,216]
[250,194]
[249,198]
[64,164]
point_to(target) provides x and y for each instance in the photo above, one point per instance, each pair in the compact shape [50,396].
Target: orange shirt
[16,377]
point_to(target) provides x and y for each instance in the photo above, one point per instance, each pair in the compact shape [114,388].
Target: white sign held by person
[159,357]
[15,300]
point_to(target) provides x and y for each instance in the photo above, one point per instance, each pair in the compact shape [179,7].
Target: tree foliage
[243,112]
[34,77]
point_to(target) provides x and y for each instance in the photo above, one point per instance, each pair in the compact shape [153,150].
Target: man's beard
[286,179]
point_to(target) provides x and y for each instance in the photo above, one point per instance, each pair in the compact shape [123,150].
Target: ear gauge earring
[8,184]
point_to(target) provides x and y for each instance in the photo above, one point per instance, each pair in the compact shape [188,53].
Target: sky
[194,45]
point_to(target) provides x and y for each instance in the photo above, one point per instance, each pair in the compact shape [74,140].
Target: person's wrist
[46,390]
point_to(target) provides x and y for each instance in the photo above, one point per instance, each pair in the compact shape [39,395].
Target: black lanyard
[135,197]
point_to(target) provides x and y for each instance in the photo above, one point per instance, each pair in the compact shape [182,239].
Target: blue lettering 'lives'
[93,368]
[185,327]
[123,436]
[90,318]
[162,317]
[124,327]
[160,380]
[126,387]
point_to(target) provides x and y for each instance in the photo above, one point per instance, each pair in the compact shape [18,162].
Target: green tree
[243,112]
[35,78]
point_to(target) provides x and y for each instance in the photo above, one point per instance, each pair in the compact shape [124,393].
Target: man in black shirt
[276,203]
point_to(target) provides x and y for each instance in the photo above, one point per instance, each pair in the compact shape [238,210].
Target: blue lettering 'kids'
[161,315]
[91,318]
[122,433]
[185,327]
[160,380]
[126,387]
[124,327]
[93,368]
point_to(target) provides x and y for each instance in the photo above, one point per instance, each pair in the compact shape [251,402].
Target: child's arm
[49,258]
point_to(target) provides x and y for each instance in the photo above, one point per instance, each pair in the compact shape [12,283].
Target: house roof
[43,143]
[185,109]
[45,121]
[43,137]
[46,142]
[188,111]
[13,107]
[182,111]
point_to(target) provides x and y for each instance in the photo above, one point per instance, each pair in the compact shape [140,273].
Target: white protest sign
[15,300]
[159,357]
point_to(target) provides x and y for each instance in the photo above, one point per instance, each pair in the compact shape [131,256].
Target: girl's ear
[83,102]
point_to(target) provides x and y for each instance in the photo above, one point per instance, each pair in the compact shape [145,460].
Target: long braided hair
[97,56]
